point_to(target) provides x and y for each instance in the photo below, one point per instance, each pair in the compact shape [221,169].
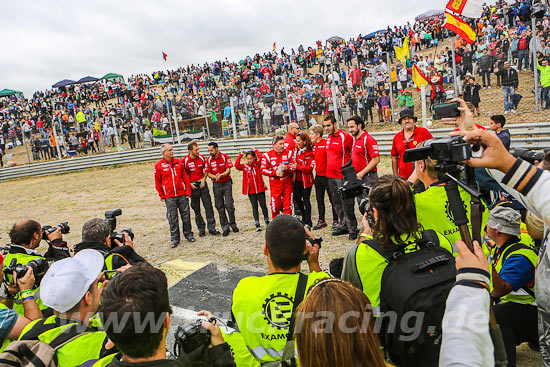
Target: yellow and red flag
[418,76]
[274,46]
[402,52]
[467,8]
[460,27]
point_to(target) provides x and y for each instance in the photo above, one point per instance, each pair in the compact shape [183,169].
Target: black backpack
[420,282]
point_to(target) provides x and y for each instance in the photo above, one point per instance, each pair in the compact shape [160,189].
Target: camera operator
[432,205]
[96,235]
[11,324]
[391,228]
[71,288]
[529,185]
[25,236]
[263,306]
[142,291]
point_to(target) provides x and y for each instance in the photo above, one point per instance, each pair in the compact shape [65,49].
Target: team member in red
[275,164]
[364,154]
[303,175]
[218,168]
[290,138]
[408,138]
[339,145]
[194,164]
[253,183]
[321,181]
[174,189]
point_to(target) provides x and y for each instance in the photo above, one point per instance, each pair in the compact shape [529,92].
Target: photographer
[263,306]
[11,324]
[96,235]
[391,231]
[432,205]
[142,291]
[25,236]
[529,185]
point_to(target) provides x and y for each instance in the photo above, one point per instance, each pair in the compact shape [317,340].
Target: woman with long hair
[303,175]
[347,339]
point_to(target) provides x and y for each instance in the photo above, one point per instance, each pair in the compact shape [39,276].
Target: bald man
[293,130]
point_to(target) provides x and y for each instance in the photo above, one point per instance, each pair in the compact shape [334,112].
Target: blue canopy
[430,14]
[87,79]
[63,83]
[374,34]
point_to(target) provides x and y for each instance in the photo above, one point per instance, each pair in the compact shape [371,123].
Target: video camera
[39,267]
[452,149]
[191,341]
[529,155]
[354,187]
[47,229]
[110,217]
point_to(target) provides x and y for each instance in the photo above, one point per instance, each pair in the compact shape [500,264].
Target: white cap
[67,281]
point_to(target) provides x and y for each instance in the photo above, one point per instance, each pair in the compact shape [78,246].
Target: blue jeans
[507,93]
[486,74]
[545,97]
[523,55]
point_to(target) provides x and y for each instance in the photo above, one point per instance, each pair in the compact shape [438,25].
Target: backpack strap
[375,245]
[429,235]
[67,335]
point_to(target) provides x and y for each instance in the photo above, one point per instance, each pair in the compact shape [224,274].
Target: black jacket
[124,255]
[509,78]
[504,136]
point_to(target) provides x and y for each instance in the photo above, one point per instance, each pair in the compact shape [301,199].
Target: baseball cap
[505,220]
[68,280]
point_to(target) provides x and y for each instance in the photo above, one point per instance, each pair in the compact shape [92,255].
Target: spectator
[471,94]
[544,68]
[510,83]
[497,125]
[303,175]
[485,68]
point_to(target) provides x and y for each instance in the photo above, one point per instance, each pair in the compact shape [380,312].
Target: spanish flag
[466,8]
[460,27]
[274,46]
[418,77]
[402,52]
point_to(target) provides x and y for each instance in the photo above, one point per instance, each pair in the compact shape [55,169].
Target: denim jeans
[545,97]
[486,74]
[507,93]
[523,56]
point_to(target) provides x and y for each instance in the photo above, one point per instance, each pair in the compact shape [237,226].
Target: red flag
[460,27]
[164,56]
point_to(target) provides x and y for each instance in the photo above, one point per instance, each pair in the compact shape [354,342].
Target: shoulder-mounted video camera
[354,187]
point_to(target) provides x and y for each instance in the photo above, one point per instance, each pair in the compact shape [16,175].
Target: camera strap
[476,208]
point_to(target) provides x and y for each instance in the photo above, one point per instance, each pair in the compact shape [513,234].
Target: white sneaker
[489,87]
[505,112]
[513,111]
[484,88]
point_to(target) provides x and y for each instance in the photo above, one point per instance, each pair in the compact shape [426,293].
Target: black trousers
[518,323]
[256,199]
[302,199]
[223,199]
[173,206]
[196,196]
[321,187]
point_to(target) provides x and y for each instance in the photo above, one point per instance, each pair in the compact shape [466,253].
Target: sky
[46,41]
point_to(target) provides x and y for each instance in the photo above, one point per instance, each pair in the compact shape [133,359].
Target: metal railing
[532,136]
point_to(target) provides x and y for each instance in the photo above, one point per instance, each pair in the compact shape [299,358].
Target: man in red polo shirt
[174,189]
[218,168]
[408,138]
[364,154]
[339,145]
[194,164]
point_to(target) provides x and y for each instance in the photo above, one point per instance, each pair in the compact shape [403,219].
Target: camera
[444,149]
[529,155]
[110,217]
[39,267]
[352,186]
[445,110]
[64,226]
[191,340]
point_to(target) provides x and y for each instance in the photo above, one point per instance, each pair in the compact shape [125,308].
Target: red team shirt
[219,165]
[365,148]
[320,154]
[194,167]
[399,146]
[338,153]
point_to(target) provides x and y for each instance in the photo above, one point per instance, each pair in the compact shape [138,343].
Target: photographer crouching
[117,248]
[25,236]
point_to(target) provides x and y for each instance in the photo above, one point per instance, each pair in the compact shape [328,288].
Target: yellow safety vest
[262,307]
[525,294]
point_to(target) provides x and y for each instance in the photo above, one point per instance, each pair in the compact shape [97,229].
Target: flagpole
[535,70]
[391,86]
[455,76]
